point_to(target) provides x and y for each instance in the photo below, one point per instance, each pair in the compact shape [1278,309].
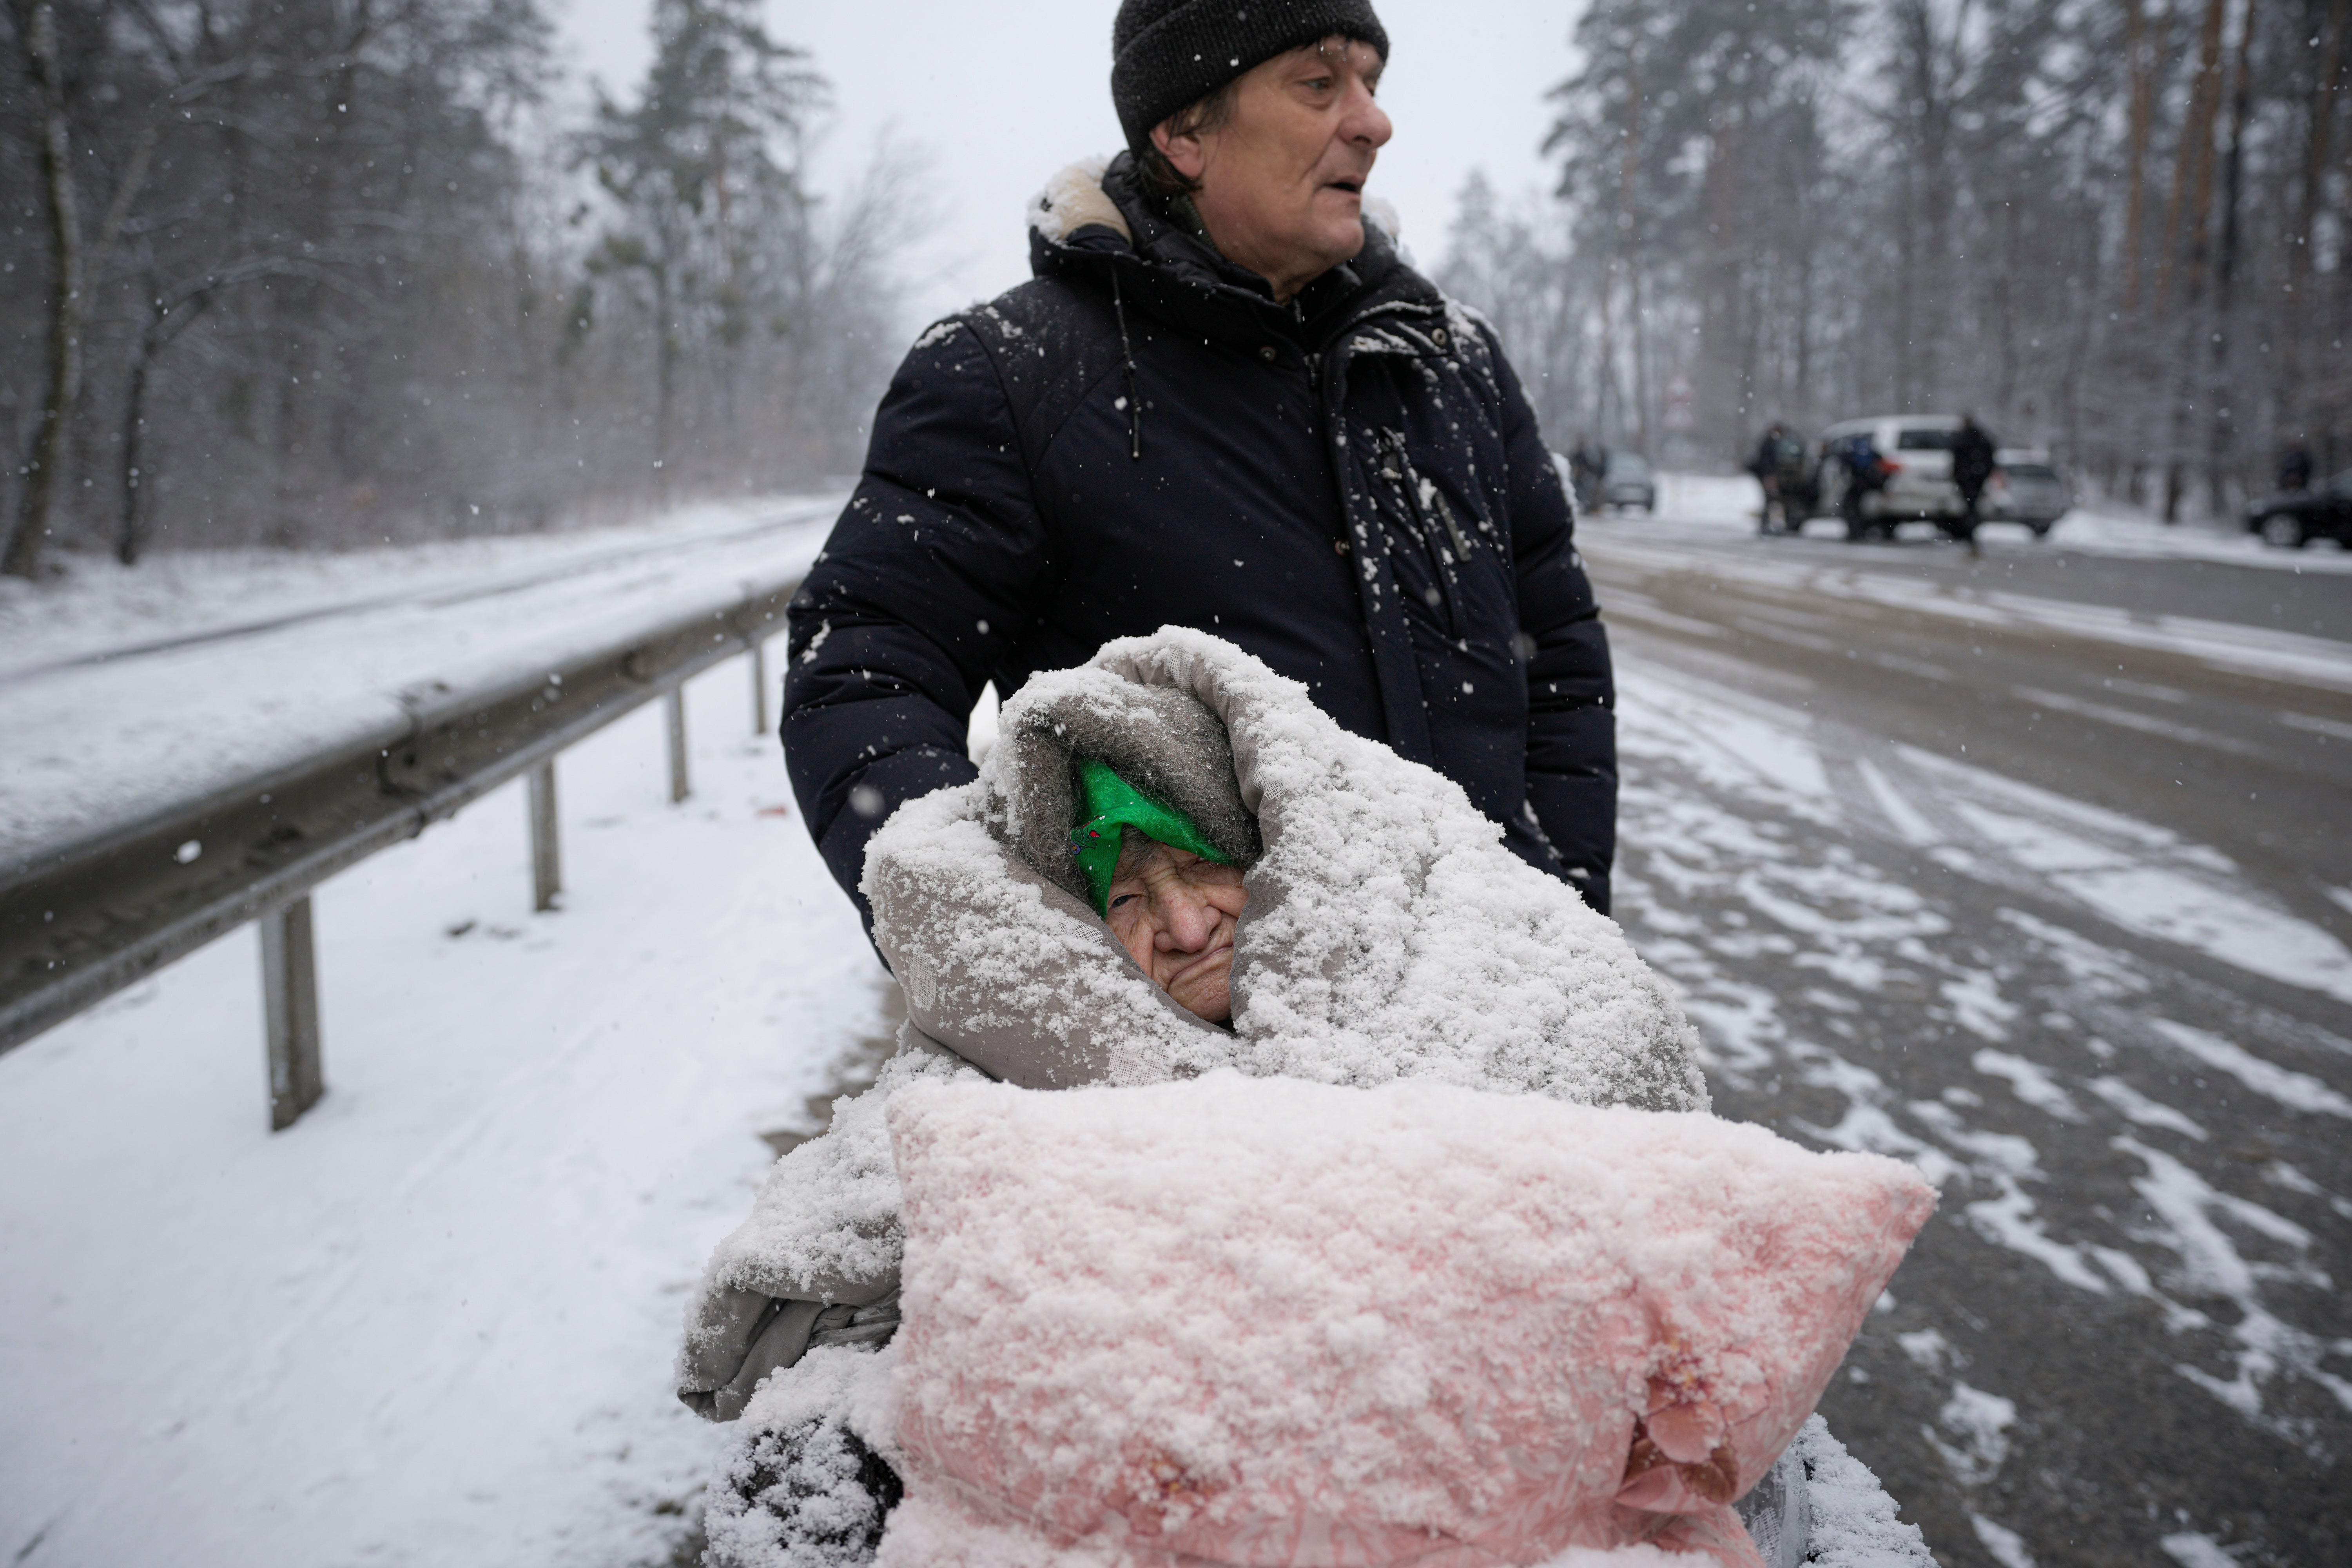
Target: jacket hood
[1389,932]
[1092,216]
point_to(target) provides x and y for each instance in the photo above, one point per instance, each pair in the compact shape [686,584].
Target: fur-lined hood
[1075,198]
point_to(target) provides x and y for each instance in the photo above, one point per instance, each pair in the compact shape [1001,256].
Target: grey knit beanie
[1169,53]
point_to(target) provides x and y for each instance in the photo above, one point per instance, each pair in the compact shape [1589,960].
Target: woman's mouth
[1223,951]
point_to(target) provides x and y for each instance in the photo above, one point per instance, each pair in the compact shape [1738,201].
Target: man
[1972,466]
[1585,466]
[1779,466]
[1865,471]
[1223,402]
[2294,468]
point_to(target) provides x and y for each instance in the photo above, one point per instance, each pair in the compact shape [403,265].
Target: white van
[1920,488]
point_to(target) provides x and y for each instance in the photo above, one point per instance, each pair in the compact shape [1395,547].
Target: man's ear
[1184,153]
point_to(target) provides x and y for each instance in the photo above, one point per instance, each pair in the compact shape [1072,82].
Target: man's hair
[1162,180]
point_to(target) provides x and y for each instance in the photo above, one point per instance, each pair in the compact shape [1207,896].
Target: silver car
[1628,481]
[2026,487]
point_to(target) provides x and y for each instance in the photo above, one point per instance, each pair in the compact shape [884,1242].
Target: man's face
[1174,913]
[1282,181]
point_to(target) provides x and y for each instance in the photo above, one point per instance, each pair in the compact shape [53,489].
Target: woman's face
[1174,913]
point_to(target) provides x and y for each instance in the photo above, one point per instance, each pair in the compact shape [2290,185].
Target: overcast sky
[1000,95]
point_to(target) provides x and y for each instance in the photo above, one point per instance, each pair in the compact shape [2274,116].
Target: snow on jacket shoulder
[1350,487]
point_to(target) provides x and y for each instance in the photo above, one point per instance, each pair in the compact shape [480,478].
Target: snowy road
[2033,870]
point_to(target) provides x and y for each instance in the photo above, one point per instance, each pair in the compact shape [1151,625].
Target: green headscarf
[1107,803]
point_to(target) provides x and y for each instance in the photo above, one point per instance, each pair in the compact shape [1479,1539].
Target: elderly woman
[1171,863]
[1170,897]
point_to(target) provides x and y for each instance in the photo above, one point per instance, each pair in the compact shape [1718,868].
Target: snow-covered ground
[273,656]
[1898,952]
[2263,651]
[2094,528]
[432,1323]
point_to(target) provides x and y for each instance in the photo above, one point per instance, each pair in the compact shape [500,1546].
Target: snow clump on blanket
[1272,1322]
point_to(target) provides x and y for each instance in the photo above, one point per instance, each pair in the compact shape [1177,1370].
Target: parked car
[1918,449]
[1627,479]
[2025,488]
[2297,517]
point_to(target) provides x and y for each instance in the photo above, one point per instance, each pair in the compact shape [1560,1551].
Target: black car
[2298,517]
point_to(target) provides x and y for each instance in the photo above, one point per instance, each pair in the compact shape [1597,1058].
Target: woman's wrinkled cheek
[1209,995]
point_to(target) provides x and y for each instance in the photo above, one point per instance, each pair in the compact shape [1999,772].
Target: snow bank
[431,1325]
[124,693]
[1274,1322]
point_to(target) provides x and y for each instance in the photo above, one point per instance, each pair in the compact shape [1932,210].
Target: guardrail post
[674,703]
[290,994]
[759,686]
[546,848]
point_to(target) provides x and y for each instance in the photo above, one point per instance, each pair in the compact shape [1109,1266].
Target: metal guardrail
[84,920]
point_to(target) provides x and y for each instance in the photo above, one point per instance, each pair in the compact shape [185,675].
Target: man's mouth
[1352,187]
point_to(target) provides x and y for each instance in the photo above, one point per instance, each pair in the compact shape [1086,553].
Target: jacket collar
[1092,220]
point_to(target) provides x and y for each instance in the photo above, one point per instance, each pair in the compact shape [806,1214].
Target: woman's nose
[1187,919]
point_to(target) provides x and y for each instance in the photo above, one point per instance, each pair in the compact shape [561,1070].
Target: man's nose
[1187,919]
[1366,121]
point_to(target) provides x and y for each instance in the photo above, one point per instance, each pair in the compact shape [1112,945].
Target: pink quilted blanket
[1268,1323]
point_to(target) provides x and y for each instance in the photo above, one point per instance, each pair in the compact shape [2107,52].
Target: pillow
[1268,1323]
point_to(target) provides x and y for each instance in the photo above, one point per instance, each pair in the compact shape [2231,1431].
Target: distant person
[1225,401]
[2294,468]
[1972,467]
[1778,466]
[1585,466]
[1865,471]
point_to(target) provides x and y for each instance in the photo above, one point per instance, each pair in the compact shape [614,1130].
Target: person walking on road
[1223,401]
[2294,468]
[1780,469]
[1972,467]
[1864,471]
[1586,465]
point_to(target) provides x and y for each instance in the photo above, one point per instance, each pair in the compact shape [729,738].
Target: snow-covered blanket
[1276,1323]
[1389,935]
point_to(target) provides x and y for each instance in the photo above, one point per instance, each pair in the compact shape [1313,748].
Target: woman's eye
[1122,900]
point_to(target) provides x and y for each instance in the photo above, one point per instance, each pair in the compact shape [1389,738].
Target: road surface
[2034,870]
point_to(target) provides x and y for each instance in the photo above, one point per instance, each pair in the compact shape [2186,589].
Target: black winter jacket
[1350,487]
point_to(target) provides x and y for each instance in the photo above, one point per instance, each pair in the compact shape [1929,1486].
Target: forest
[333,272]
[2113,227]
[330,272]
